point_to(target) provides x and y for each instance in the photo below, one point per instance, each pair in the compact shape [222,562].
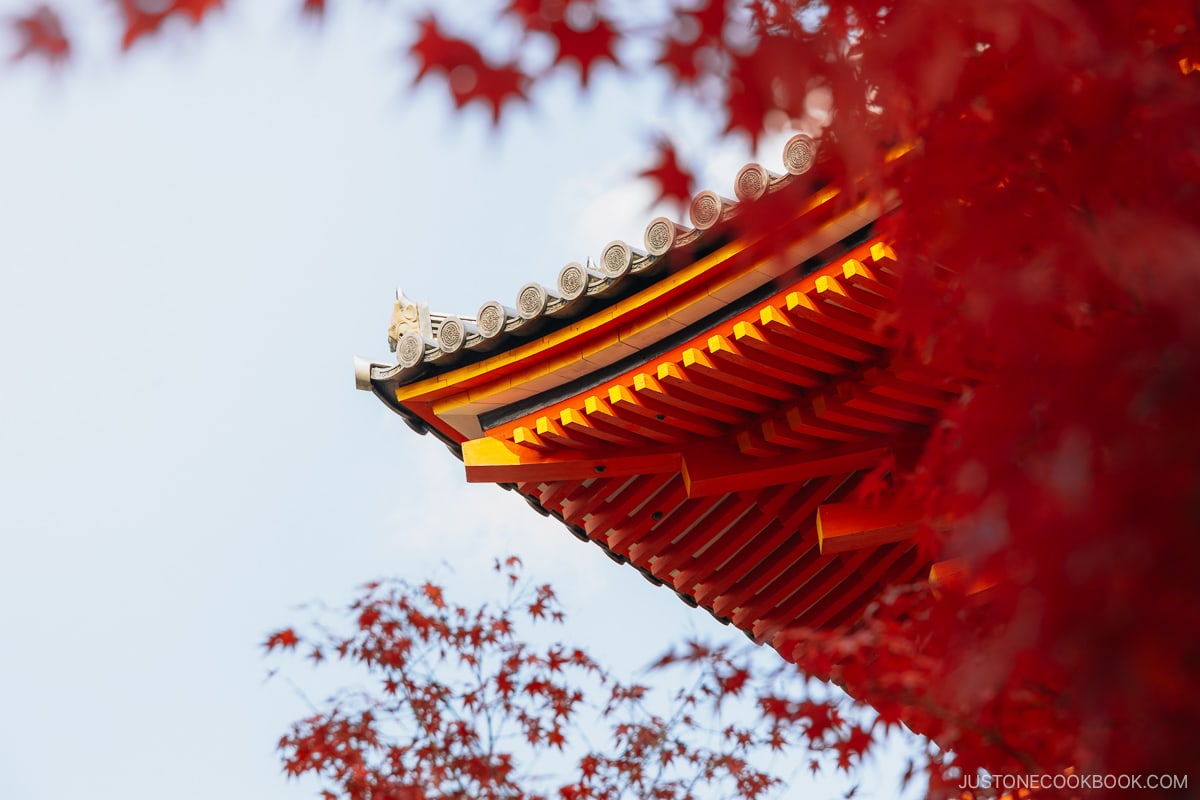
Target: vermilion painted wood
[804,597]
[903,559]
[820,314]
[734,379]
[639,404]
[782,584]
[705,467]
[679,402]
[756,366]
[495,461]
[602,414]
[616,512]
[804,326]
[581,502]
[555,493]
[851,526]
[773,347]
[673,525]
[765,510]
[582,426]
[683,550]
[709,396]
[638,529]
[769,546]
[719,469]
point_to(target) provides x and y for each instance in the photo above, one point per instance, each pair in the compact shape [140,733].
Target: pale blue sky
[195,239]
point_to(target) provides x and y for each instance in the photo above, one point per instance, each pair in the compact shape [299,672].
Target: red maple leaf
[682,59]
[470,75]
[41,32]
[436,52]
[854,745]
[313,8]
[555,737]
[821,717]
[494,85]
[734,682]
[286,639]
[433,594]
[586,44]
[674,181]
[143,18]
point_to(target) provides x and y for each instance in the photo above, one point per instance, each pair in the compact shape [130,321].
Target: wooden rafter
[852,526]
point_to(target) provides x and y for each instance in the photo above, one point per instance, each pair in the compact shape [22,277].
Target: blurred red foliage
[1049,227]
[41,33]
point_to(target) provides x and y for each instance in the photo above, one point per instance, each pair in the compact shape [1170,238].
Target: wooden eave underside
[706,467]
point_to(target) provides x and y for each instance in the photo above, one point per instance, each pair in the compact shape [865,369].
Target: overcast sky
[195,240]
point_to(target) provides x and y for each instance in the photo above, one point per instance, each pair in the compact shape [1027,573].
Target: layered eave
[707,415]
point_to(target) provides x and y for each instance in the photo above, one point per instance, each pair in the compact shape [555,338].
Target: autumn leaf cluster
[457,701]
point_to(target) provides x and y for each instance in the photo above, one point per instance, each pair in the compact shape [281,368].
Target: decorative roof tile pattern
[444,340]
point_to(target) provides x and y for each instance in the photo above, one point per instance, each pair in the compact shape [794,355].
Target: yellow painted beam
[489,460]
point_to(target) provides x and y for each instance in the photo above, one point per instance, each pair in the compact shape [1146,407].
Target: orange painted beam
[875,280]
[834,409]
[808,330]
[717,470]
[709,394]
[818,310]
[757,365]
[802,421]
[528,438]
[555,494]
[602,414]
[850,298]
[575,423]
[956,573]
[860,398]
[490,460]
[775,349]
[678,402]
[850,526]
[784,584]
[642,408]
[728,376]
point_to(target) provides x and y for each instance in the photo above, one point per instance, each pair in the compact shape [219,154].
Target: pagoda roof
[702,410]
[428,344]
